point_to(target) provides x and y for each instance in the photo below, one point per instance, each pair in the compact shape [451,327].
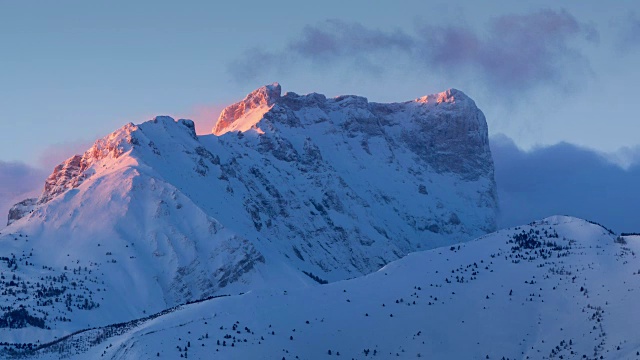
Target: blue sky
[74,70]
[544,72]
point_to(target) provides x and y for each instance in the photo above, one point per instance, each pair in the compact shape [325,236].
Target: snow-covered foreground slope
[560,288]
[312,190]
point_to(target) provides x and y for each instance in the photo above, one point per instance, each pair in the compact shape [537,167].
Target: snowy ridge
[71,173]
[559,288]
[315,190]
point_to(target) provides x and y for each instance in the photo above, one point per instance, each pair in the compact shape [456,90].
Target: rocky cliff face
[446,130]
[244,115]
[346,185]
[288,189]
[71,173]
[20,210]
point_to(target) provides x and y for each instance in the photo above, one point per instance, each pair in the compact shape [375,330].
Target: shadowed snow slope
[292,191]
[560,288]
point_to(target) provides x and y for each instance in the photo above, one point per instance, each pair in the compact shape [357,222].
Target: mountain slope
[378,180]
[560,288]
[313,190]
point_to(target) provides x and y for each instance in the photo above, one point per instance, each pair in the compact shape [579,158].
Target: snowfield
[560,288]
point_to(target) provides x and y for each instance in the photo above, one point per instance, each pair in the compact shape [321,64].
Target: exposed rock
[359,155]
[242,116]
[21,209]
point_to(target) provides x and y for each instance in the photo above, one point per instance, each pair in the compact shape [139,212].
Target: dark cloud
[567,180]
[514,52]
[519,52]
[337,38]
[17,182]
[327,44]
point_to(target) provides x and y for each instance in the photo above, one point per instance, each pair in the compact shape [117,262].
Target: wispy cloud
[519,51]
[568,180]
[337,38]
[513,52]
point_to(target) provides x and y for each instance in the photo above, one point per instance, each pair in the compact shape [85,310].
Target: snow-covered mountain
[559,288]
[288,191]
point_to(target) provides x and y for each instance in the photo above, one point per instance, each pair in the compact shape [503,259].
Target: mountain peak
[448,96]
[73,171]
[245,114]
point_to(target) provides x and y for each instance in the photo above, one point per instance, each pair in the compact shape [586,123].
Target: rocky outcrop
[21,209]
[71,173]
[243,115]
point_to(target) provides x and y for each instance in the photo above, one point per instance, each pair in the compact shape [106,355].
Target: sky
[547,74]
